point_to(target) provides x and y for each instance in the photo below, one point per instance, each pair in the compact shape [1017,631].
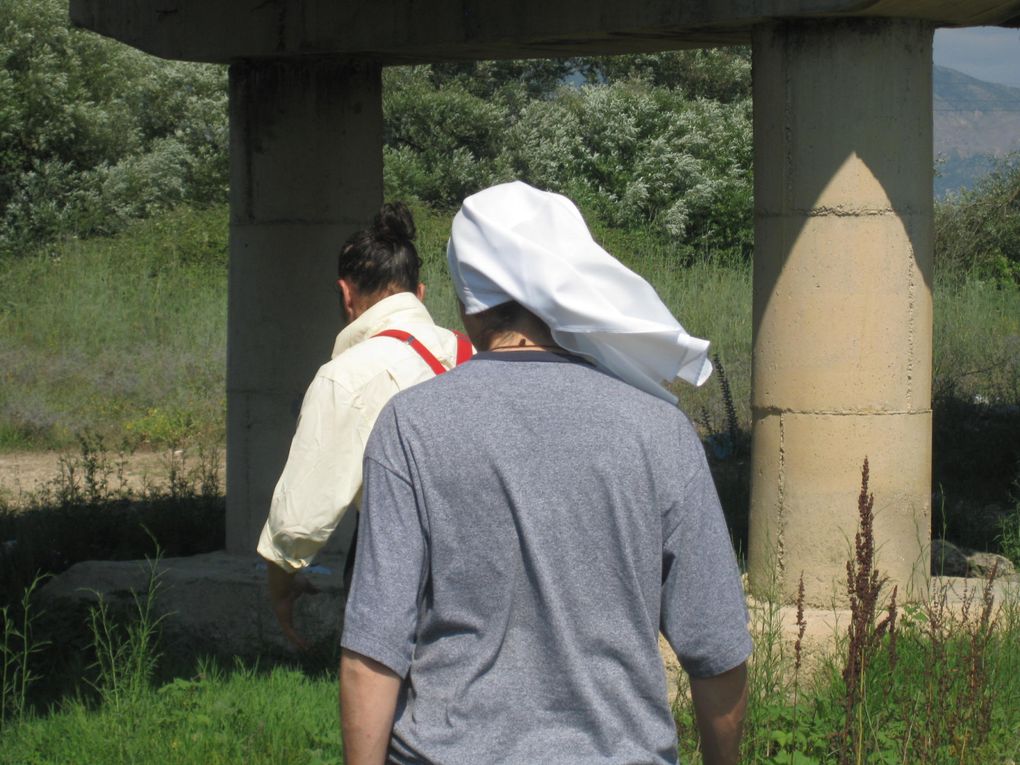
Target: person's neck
[520,341]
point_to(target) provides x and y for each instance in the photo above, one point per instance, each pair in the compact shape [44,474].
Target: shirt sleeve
[390,570]
[322,477]
[703,614]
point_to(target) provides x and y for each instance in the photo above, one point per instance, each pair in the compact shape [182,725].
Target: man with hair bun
[533,519]
[389,343]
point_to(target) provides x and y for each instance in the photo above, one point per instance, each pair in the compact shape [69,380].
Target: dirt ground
[23,474]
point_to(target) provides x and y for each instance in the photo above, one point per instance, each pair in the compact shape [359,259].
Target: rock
[980,564]
[947,559]
[213,604]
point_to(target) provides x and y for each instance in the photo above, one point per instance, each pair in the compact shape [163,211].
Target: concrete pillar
[842,300]
[306,171]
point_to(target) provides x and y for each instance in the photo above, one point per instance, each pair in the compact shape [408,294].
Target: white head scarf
[514,242]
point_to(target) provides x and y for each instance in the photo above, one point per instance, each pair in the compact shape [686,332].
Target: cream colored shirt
[322,477]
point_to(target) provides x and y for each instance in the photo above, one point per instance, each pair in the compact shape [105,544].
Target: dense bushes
[978,230]
[640,145]
[93,133]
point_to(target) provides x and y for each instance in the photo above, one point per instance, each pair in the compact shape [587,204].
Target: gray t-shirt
[529,524]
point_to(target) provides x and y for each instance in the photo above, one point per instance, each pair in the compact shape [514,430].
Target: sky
[987,53]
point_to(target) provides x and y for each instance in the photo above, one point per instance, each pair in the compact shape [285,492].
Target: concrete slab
[215,604]
[394,31]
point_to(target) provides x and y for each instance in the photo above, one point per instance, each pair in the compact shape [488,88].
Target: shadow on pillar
[842,298]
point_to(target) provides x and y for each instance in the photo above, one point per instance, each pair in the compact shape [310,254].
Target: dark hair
[382,257]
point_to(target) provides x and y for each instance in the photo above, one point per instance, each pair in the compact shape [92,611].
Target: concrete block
[283,283]
[396,31]
[214,604]
[306,172]
[766,538]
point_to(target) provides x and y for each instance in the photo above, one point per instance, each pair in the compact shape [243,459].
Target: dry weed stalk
[801,626]
[976,703]
[864,585]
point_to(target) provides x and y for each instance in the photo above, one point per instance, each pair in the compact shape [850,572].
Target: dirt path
[23,474]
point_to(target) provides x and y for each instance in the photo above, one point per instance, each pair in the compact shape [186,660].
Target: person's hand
[285,588]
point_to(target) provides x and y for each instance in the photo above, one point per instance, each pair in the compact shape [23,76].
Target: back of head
[382,259]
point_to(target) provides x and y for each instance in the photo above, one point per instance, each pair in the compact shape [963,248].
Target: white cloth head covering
[514,242]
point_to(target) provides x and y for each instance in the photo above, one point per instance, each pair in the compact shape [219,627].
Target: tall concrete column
[842,300]
[306,171]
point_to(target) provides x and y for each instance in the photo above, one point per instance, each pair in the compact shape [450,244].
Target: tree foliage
[644,142]
[93,133]
[979,229]
[719,74]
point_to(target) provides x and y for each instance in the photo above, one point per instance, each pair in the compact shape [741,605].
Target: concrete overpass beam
[842,299]
[306,171]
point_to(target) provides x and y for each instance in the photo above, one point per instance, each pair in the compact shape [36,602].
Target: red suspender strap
[464,349]
[407,337]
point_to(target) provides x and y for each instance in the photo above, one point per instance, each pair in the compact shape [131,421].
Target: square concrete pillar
[306,172]
[842,300]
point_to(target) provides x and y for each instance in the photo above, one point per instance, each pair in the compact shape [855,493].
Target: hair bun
[394,221]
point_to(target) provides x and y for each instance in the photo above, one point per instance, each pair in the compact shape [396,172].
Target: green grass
[977,340]
[950,696]
[123,336]
[281,717]
[126,336]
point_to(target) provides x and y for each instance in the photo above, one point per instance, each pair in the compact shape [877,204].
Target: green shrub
[638,155]
[94,133]
[977,231]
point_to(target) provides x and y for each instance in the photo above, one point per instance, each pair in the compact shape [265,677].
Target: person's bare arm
[719,706]
[368,701]
[286,587]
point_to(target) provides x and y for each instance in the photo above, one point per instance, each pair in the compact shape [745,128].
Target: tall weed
[17,647]
[127,653]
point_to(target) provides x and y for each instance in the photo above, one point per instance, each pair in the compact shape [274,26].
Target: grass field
[277,717]
[126,336]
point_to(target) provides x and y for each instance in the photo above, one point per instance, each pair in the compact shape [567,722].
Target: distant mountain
[976,123]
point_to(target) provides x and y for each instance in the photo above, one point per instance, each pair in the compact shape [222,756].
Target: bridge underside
[843,224]
[399,31]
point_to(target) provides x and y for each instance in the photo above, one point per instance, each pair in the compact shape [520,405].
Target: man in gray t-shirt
[530,523]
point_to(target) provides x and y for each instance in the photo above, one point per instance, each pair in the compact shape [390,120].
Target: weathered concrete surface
[306,171]
[215,604]
[842,299]
[396,31]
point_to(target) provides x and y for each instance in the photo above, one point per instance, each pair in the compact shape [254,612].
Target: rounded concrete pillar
[306,171]
[842,300]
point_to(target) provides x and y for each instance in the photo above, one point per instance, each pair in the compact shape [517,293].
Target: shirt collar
[395,311]
[535,355]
